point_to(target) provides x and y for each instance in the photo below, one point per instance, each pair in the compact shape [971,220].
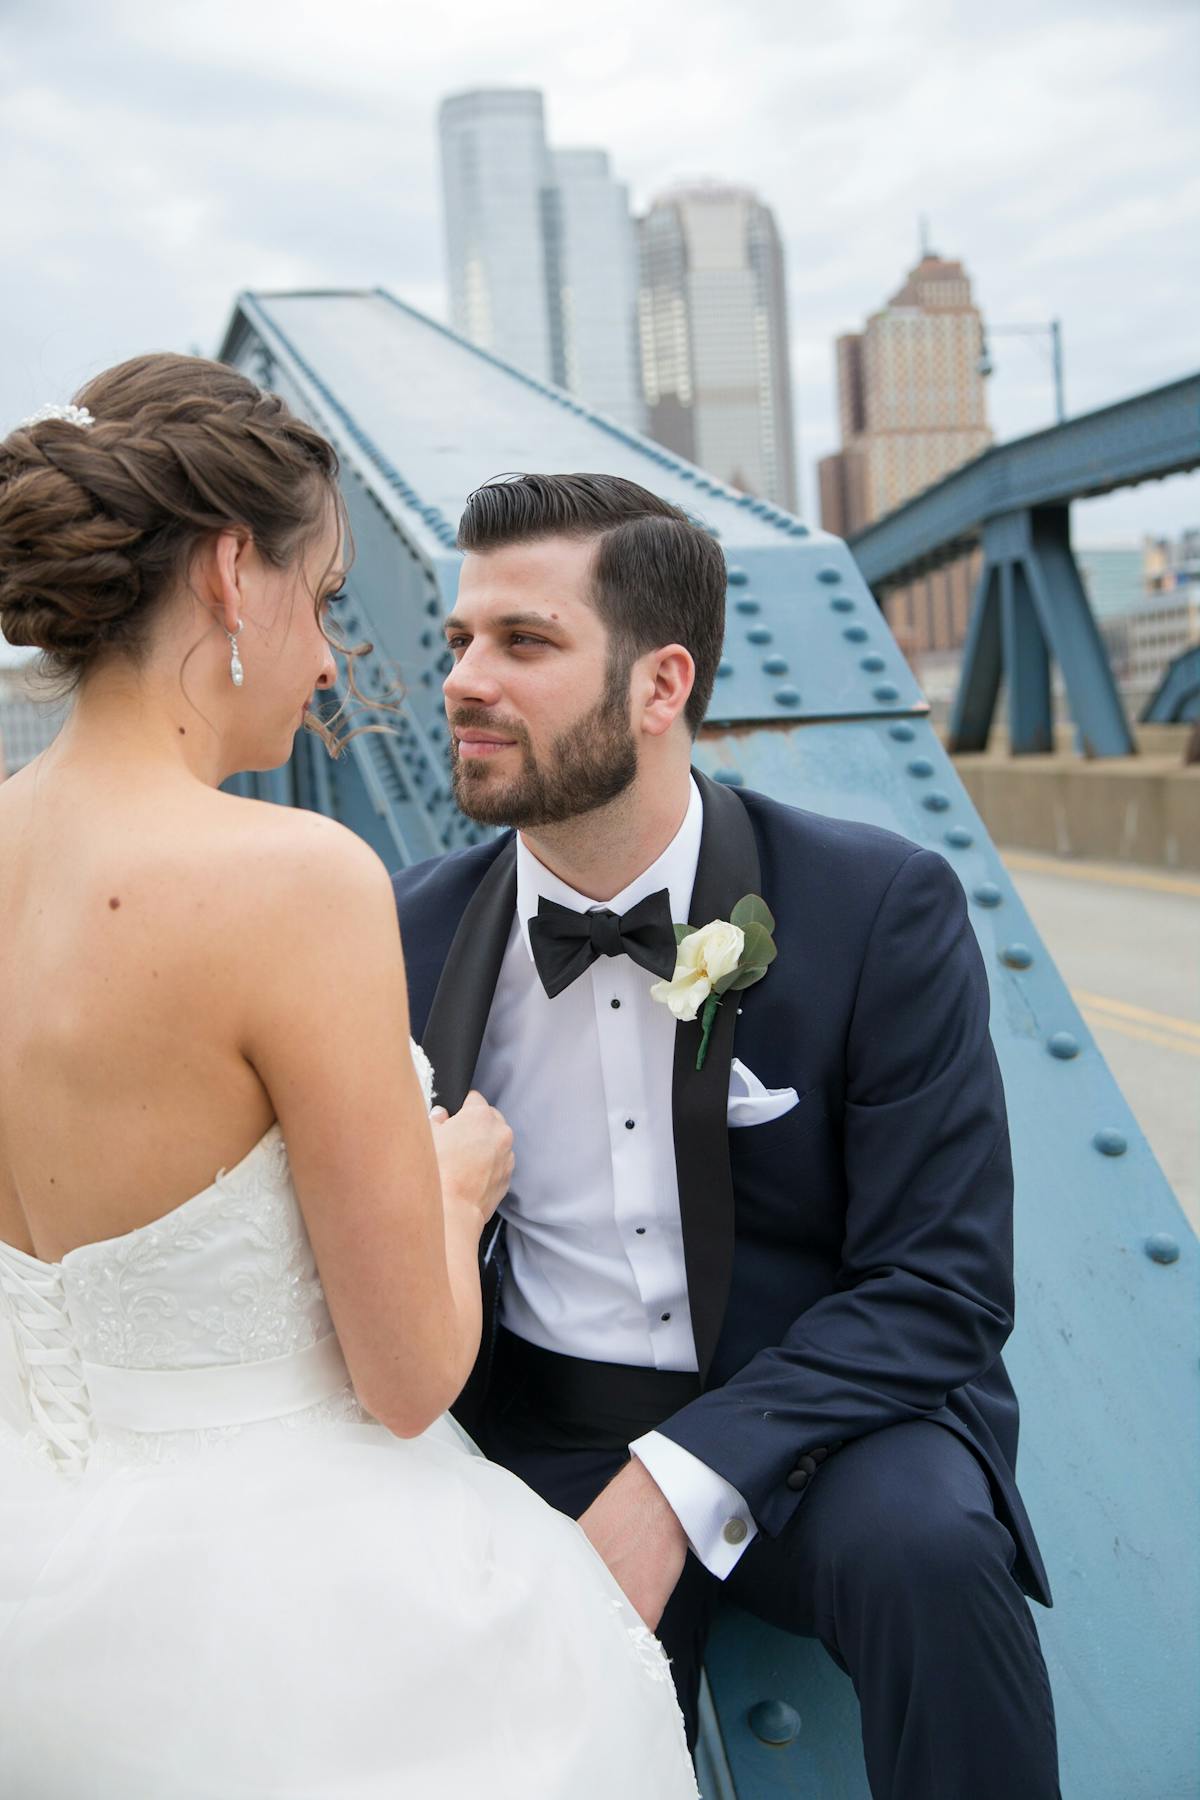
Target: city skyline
[1035,142]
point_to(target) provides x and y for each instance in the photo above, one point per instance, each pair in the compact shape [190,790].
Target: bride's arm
[326,1028]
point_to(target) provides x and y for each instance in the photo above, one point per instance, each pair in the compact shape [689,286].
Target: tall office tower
[596,262]
[496,184]
[715,365]
[541,250]
[911,408]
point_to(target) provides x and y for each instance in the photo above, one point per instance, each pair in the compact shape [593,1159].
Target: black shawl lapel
[728,869]
[459,1011]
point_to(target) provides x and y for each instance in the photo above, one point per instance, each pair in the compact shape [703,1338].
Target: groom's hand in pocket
[632,1526]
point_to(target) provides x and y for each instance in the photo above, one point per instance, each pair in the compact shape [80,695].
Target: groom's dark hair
[659,578]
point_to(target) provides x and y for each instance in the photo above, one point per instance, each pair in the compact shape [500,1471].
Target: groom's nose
[470,680]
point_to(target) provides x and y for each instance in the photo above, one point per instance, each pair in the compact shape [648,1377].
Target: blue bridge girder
[815,706]
[1030,603]
[1177,696]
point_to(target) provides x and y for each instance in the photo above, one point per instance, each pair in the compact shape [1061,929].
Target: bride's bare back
[182,967]
[130,925]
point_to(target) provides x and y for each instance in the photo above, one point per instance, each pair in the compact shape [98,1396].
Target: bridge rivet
[885,691]
[736,577]
[1064,1045]
[759,634]
[1110,1143]
[775,665]
[729,777]
[724,669]
[1161,1248]
[829,574]
[988,894]
[920,767]
[842,603]
[774,1722]
[796,529]
[959,838]
[856,634]
[936,802]
[788,696]
[873,664]
[903,734]
[749,606]
[1017,956]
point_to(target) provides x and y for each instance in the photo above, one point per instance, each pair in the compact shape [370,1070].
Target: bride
[243,1551]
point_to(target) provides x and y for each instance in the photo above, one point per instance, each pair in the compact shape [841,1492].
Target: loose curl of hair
[99,525]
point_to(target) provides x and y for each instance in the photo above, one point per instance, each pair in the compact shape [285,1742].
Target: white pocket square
[750,1103]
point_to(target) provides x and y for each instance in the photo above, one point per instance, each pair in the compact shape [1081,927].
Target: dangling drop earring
[236,672]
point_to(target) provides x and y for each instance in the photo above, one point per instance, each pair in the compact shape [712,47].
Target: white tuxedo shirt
[595,1241]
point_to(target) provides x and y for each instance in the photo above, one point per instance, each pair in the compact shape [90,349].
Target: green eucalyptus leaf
[682,931]
[745,978]
[752,910]
[759,950]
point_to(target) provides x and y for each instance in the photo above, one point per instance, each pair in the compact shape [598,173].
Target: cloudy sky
[155,158]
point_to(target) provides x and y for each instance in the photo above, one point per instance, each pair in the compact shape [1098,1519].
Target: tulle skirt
[325,1612]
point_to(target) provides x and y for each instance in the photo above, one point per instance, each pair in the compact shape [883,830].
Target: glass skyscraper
[541,252]
[496,188]
[715,365]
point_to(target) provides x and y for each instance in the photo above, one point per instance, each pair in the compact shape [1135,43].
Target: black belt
[568,1402]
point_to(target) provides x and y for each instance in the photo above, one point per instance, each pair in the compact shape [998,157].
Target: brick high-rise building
[911,408]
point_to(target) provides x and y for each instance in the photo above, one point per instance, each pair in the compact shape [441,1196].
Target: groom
[744,1319]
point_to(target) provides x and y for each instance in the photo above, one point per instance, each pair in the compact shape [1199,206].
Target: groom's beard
[586,767]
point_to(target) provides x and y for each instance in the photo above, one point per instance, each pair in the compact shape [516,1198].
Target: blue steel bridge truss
[1030,604]
[814,705]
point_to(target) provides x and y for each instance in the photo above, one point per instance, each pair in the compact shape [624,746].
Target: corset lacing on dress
[48,1353]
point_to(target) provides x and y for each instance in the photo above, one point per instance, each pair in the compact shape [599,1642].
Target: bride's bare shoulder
[282,864]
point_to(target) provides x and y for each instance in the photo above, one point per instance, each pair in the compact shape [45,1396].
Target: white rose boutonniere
[712,959]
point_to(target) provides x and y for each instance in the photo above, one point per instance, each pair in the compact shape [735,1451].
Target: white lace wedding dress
[220,1579]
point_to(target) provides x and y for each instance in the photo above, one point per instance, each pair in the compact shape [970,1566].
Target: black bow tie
[565,943]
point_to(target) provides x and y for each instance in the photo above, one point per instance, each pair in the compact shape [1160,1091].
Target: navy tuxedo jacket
[849,1265]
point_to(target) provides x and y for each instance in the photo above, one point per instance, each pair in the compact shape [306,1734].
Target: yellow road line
[1105,1021]
[1103,874]
[1163,1021]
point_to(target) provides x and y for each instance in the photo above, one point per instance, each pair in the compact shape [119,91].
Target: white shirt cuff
[715,1518]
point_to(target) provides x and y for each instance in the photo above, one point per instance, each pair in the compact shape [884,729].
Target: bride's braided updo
[99,523]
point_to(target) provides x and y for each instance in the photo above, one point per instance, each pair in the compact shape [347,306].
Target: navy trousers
[897,1563]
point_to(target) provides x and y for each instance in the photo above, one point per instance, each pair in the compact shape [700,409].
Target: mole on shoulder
[182,731]
[114,903]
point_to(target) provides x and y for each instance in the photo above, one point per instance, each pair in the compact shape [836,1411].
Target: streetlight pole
[1054,328]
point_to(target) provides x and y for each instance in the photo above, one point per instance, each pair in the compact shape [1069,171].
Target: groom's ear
[662,683]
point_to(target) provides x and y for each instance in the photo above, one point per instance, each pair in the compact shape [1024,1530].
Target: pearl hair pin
[73,415]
